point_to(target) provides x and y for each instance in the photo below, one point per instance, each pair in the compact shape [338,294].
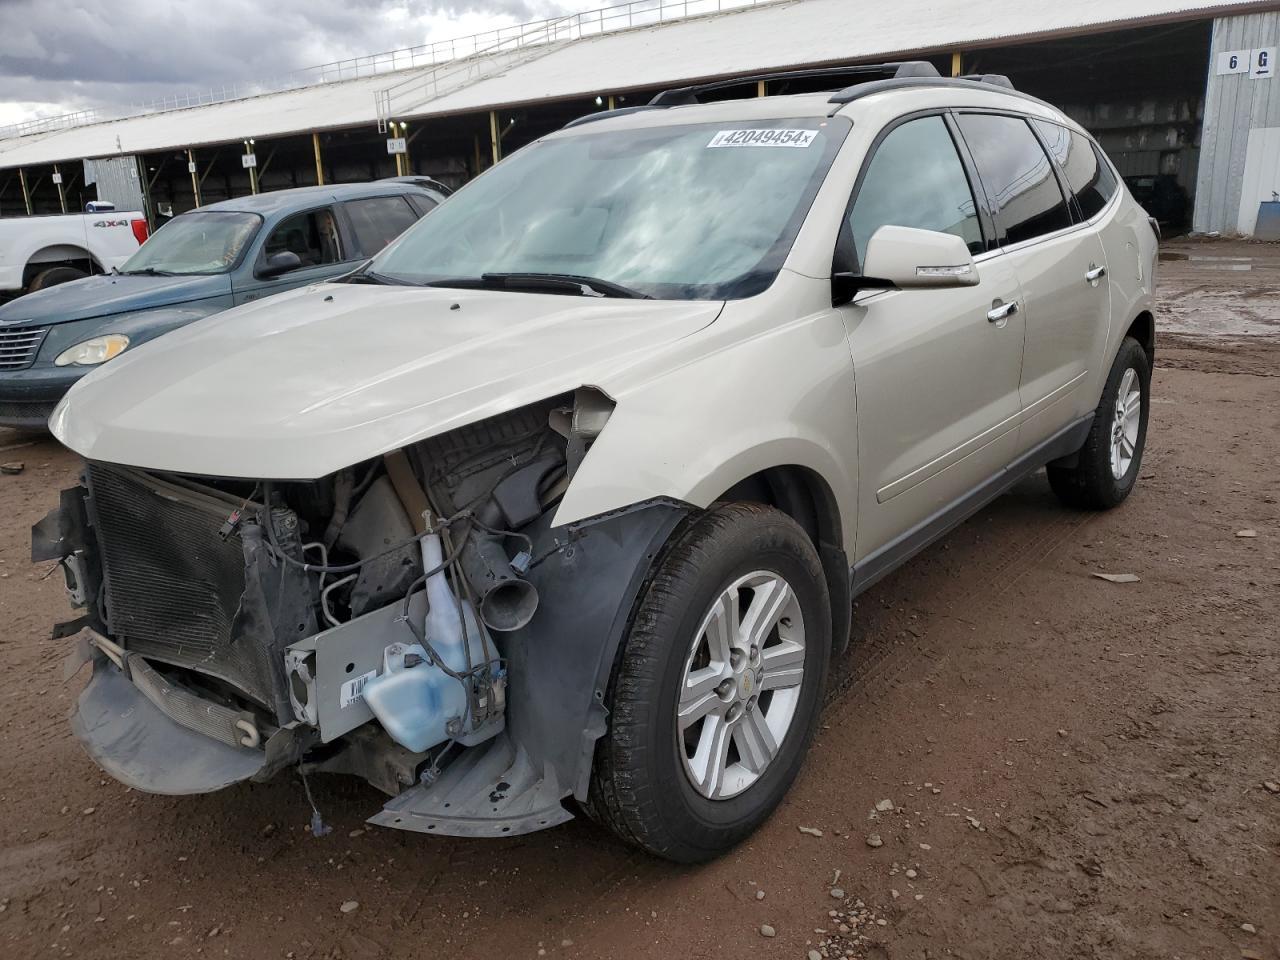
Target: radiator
[173,587]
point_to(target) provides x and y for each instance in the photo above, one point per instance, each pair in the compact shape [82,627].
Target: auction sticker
[770,137]
[352,691]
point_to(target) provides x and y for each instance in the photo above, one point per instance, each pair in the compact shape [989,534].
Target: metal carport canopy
[790,33]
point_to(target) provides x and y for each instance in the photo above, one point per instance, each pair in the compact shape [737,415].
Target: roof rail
[683,96]
[858,91]
[910,73]
[998,79]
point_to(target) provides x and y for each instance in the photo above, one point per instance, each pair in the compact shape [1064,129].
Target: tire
[54,276]
[1094,483]
[643,780]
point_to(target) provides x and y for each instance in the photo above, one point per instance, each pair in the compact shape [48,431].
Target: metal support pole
[315,148]
[195,180]
[495,142]
[26,194]
[613,103]
[62,197]
[955,63]
[253,171]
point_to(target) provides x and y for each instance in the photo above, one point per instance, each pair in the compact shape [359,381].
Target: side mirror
[278,263]
[911,259]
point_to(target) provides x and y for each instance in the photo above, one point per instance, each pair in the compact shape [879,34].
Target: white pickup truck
[38,252]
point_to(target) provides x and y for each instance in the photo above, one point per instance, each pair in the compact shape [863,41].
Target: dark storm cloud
[108,53]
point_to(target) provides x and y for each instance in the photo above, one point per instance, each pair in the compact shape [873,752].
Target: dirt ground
[1073,767]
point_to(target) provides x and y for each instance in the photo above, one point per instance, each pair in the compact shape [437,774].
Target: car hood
[109,294]
[311,381]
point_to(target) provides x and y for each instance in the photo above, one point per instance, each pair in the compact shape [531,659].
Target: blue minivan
[198,263]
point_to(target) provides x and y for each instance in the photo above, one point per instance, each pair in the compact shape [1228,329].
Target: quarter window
[379,220]
[916,179]
[1019,178]
[312,236]
[1088,175]
[423,204]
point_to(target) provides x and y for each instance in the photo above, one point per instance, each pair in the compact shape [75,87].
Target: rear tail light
[139,230]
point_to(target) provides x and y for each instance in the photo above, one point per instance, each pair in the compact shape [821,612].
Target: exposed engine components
[581,423]
[378,522]
[400,590]
[423,695]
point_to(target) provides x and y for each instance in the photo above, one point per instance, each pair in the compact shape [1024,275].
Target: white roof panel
[752,39]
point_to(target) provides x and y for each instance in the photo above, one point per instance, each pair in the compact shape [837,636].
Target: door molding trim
[951,457]
[902,548]
[1052,397]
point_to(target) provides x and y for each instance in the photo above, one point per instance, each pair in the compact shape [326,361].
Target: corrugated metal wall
[117,181]
[1235,106]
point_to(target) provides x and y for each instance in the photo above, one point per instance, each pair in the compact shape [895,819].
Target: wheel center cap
[747,684]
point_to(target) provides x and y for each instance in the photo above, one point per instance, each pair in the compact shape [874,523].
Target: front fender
[783,397]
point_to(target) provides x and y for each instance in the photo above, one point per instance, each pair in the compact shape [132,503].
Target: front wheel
[1107,465]
[718,688]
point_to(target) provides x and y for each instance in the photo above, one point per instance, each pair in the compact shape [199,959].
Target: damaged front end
[414,620]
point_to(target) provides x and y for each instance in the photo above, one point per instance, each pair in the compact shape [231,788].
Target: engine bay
[375,622]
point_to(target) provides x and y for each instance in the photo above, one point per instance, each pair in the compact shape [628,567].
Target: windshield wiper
[147,272]
[555,282]
[368,276]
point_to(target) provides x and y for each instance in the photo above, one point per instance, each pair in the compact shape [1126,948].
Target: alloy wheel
[1124,425]
[741,685]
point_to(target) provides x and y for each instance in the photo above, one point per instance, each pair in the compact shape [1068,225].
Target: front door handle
[1094,274]
[999,314]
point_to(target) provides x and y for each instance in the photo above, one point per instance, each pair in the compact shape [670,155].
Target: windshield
[705,211]
[196,242]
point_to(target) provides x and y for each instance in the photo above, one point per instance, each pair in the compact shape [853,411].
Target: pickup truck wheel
[1108,463]
[54,276]
[718,687]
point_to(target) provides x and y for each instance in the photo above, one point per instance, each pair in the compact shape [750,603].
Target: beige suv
[565,496]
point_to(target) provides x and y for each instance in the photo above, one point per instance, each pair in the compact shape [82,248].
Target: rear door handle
[1094,274]
[1003,312]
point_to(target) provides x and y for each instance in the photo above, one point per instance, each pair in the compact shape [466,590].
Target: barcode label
[353,690]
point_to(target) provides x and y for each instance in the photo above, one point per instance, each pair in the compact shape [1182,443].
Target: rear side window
[423,203]
[916,179]
[379,220]
[1018,176]
[1089,176]
[312,236]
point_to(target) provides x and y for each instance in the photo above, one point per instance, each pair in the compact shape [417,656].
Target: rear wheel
[54,276]
[714,700]
[1107,465]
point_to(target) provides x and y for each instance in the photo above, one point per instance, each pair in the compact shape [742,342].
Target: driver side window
[916,179]
[313,236]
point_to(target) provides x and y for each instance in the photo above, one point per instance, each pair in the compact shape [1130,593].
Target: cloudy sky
[78,54]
